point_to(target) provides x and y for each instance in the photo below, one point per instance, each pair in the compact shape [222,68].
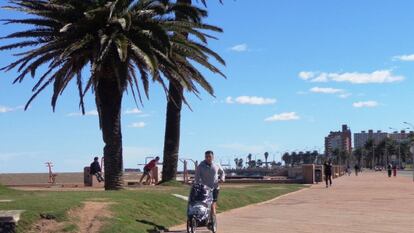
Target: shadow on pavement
[157,228]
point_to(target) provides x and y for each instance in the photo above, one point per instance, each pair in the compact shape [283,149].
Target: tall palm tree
[176,95]
[266,155]
[115,38]
[369,148]
[358,154]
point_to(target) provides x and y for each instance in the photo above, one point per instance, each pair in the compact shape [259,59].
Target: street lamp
[399,144]
[412,152]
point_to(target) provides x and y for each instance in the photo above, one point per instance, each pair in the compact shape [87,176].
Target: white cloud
[344,95]
[132,111]
[87,113]
[138,125]
[229,100]
[251,100]
[239,48]
[407,57]
[5,109]
[379,76]
[365,104]
[286,116]
[326,90]
[305,75]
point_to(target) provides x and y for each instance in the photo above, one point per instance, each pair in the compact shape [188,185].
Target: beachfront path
[368,203]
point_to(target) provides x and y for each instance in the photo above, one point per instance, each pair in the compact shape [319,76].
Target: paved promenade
[368,203]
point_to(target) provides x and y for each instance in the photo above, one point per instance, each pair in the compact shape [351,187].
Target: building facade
[341,140]
[360,139]
[400,137]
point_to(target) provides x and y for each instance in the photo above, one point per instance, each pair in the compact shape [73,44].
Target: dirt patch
[47,226]
[88,219]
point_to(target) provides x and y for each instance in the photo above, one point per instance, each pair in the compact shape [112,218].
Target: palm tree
[336,155]
[266,155]
[314,156]
[295,158]
[287,158]
[176,90]
[369,148]
[391,148]
[114,38]
[358,154]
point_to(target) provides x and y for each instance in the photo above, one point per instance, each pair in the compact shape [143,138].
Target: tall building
[361,138]
[341,140]
[402,136]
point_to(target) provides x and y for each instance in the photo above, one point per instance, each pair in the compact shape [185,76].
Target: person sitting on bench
[96,170]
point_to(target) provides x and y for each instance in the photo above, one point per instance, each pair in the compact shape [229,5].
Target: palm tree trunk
[173,125]
[172,132]
[109,100]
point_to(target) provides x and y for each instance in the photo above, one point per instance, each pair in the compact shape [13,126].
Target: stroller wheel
[191,225]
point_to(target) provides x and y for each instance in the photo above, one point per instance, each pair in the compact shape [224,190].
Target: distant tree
[314,156]
[240,165]
[236,162]
[335,155]
[301,157]
[307,159]
[295,158]
[266,155]
[287,158]
[259,163]
[343,157]
[358,155]
[369,149]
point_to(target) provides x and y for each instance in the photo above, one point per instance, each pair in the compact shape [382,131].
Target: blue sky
[296,70]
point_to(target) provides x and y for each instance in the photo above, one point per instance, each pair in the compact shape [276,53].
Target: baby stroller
[199,209]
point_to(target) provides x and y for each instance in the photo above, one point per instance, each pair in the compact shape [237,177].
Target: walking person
[147,171]
[210,174]
[356,167]
[394,170]
[96,170]
[389,169]
[327,167]
[348,170]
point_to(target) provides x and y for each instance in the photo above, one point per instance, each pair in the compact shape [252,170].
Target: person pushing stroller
[202,202]
[210,174]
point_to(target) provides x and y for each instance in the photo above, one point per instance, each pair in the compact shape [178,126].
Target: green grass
[134,210]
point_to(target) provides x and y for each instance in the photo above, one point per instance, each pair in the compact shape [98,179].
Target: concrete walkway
[370,202]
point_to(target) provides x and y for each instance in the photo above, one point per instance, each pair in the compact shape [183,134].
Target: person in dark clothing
[327,167]
[356,169]
[389,169]
[394,170]
[95,169]
[348,170]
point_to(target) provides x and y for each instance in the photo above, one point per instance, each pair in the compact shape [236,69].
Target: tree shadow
[157,227]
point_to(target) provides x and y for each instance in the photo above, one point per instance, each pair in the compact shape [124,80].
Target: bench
[9,220]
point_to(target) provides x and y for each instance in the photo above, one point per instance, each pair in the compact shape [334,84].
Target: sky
[296,69]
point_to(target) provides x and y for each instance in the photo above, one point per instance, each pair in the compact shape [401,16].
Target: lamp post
[412,146]
[399,144]
[412,152]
